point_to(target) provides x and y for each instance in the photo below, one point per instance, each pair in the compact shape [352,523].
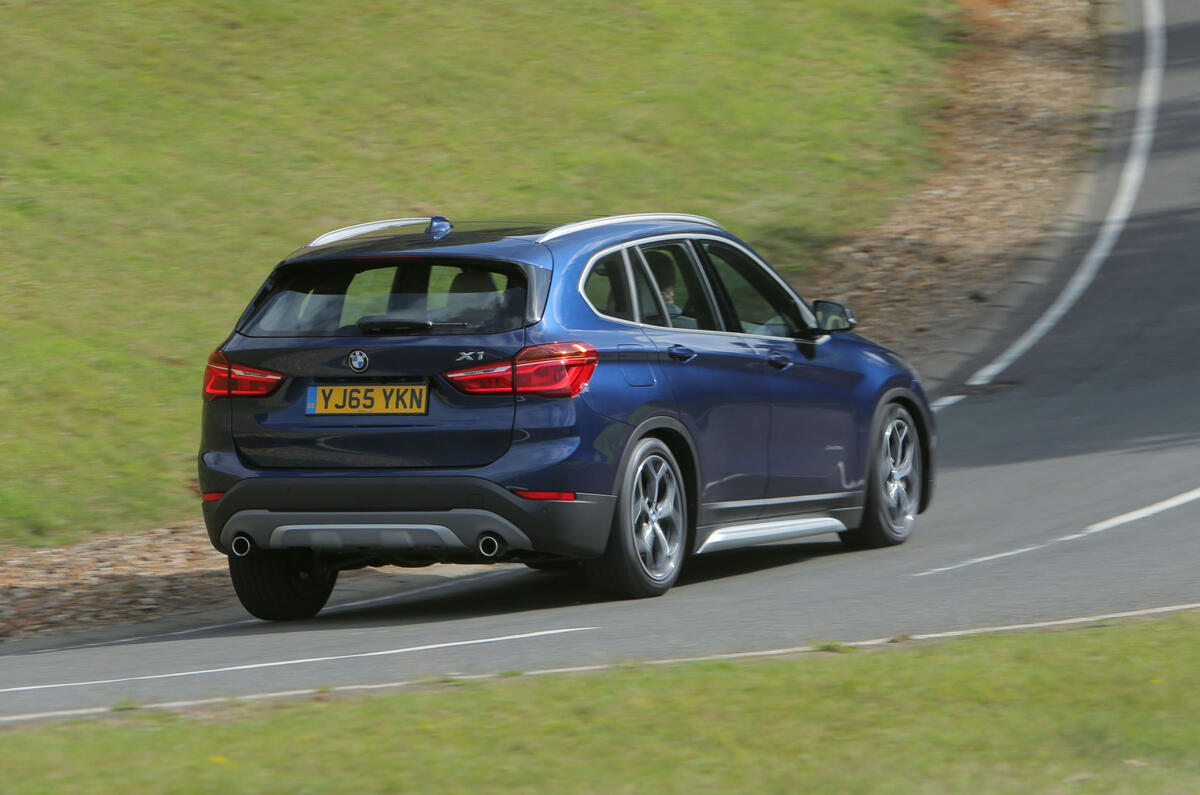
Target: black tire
[649,564]
[893,492]
[552,565]
[281,585]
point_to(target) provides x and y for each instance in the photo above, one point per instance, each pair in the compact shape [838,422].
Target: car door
[720,382]
[811,385]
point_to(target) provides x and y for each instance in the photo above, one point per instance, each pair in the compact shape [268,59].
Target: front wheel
[894,478]
[281,585]
[649,533]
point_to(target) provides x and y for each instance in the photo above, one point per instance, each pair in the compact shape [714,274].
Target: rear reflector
[559,369]
[223,378]
[566,496]
[213,496]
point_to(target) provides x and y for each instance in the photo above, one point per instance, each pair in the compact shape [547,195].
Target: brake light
[212,496]
[223,378]
[558,369]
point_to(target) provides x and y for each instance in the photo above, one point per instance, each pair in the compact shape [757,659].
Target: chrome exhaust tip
[490,546]
[241,545]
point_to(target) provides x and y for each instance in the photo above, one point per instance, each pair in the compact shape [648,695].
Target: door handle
[681,354]
[779,361]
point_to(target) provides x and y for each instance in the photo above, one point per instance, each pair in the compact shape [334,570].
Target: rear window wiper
[382,324]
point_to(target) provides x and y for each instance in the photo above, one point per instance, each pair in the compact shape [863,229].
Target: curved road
[1040,470]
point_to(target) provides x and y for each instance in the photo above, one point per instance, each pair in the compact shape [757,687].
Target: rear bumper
[424,518]
[436,534]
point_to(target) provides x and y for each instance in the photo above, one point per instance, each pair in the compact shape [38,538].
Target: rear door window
[405,297]
[680,284]
[649,301]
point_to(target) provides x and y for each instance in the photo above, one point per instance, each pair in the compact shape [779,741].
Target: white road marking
[1142,513]
[946,400]
[299,661]
[1058,622]
[400,596]
[1090,530]
[313,691]
[1128,188]
[983,559]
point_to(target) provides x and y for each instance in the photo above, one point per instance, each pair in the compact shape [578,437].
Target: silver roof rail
[362,229]
[579,226]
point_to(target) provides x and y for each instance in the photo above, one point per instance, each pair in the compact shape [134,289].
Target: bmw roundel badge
[358,361]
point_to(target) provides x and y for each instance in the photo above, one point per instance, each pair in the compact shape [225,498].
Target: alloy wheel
[656,516]
[900,472]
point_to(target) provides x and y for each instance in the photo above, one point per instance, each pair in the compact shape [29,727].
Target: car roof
[533,241]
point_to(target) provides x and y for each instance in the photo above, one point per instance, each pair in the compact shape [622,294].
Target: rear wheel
[894,478]
[281,585]
[646,546]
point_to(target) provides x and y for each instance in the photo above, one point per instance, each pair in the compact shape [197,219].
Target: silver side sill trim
[745,535]
[579,226]
[361,229]
[781,500]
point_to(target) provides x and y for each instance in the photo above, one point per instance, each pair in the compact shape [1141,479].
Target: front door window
[757,302]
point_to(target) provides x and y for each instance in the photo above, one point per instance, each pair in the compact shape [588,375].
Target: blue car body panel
[767,426]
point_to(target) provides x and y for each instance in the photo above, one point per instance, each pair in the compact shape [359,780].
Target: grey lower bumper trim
[367,536]
[400,531]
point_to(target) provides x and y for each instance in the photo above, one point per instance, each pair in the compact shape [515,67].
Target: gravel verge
[1016,131]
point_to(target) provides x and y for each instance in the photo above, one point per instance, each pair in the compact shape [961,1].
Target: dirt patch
[1014,134]
[168,571]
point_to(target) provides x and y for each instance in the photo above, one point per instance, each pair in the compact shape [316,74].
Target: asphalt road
[1096,420]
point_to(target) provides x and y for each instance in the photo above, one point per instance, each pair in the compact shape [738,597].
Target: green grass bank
[1101,709]
[157,156]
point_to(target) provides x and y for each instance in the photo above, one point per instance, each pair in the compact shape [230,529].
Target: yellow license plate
[368,399]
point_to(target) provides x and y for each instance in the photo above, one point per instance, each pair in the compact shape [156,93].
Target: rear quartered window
[410,296]
[606,287]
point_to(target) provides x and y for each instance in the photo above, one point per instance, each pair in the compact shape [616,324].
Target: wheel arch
[675,436]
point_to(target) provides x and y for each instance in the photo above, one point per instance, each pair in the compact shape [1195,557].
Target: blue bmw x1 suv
[612,394]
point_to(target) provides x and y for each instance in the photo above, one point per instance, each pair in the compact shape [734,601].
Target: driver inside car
[663,269]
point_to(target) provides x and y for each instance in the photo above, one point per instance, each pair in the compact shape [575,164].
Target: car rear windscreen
[408,296]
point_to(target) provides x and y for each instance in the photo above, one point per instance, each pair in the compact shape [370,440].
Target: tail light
[559,369]
[223,378]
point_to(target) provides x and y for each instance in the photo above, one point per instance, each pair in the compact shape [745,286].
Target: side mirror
[833,317]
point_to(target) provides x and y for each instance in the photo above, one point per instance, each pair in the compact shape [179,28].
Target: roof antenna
[438,227]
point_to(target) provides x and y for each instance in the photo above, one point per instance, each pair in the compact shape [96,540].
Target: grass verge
[1101,709]
[159,155]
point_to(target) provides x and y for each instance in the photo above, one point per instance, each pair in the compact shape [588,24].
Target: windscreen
[409,296]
